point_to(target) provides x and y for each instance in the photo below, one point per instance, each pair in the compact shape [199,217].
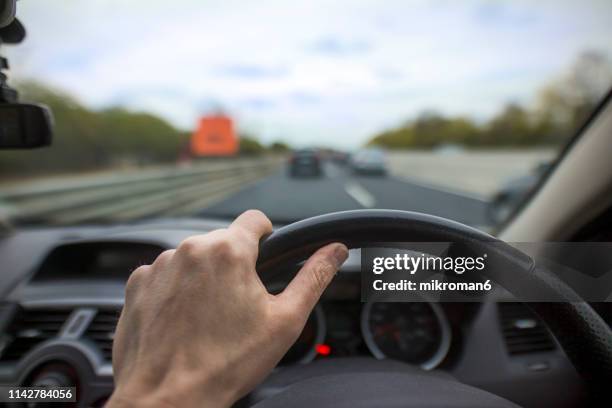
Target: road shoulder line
[445,189]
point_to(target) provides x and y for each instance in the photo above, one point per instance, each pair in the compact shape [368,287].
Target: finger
[316,274]
[254,222]
[164,258]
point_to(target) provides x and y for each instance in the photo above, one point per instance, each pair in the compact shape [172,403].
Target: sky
[306,72]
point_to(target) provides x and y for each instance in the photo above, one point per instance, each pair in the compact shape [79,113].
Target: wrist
[122,400]
[182,393]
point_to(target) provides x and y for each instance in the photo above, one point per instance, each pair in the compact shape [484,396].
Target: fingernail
[340,254]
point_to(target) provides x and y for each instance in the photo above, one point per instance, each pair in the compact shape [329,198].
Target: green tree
[86,139]
[512,126]
[429,130]
[250,146]
[279,147]
[563,105]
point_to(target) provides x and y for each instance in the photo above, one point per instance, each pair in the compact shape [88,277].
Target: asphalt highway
[285,199]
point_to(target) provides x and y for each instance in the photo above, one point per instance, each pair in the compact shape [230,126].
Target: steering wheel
[583,335]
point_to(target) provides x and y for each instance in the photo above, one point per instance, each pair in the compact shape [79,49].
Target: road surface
[286,199]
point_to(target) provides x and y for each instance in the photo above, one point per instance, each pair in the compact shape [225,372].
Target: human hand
[199,328]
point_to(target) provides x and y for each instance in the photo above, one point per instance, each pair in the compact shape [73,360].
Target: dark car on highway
[305,163]
[369,161]
[513,192]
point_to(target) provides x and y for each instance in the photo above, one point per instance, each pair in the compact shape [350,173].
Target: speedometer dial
[416,333]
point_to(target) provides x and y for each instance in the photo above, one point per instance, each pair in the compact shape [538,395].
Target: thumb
[308,285]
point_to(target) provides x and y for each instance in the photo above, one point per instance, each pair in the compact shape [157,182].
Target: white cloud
[308,72]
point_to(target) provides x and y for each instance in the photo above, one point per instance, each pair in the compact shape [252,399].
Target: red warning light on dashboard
[323,349]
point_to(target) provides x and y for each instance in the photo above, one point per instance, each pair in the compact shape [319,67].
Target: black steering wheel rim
[584,336]
[356,228]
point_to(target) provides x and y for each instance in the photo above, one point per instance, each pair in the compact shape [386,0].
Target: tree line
[87,139]
[561,107]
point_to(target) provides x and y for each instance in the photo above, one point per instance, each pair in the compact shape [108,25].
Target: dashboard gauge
[416,333]
[304,349]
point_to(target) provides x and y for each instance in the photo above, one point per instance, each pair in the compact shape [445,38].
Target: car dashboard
[62,293]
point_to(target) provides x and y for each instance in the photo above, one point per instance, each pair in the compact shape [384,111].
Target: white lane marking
[360,194]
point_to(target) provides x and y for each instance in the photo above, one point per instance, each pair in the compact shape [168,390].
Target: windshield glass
[206,109]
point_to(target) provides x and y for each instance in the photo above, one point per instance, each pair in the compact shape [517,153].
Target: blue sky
[310,72]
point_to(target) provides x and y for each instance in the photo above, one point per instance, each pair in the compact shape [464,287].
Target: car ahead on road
[305,163]
[369,161]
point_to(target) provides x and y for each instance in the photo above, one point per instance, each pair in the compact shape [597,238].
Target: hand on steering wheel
[199,326]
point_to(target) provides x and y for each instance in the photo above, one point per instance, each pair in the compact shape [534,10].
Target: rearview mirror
[7,12]
[22,125]
[25,126]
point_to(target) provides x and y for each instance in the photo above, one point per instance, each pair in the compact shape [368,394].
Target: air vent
[101,331]
[30,328]
[523,331]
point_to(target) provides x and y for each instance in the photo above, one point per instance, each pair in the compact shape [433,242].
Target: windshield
[206,109]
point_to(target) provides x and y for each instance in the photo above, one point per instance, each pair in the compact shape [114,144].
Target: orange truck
[215,136]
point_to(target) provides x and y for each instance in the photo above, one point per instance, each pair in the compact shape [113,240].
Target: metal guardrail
[122,196]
